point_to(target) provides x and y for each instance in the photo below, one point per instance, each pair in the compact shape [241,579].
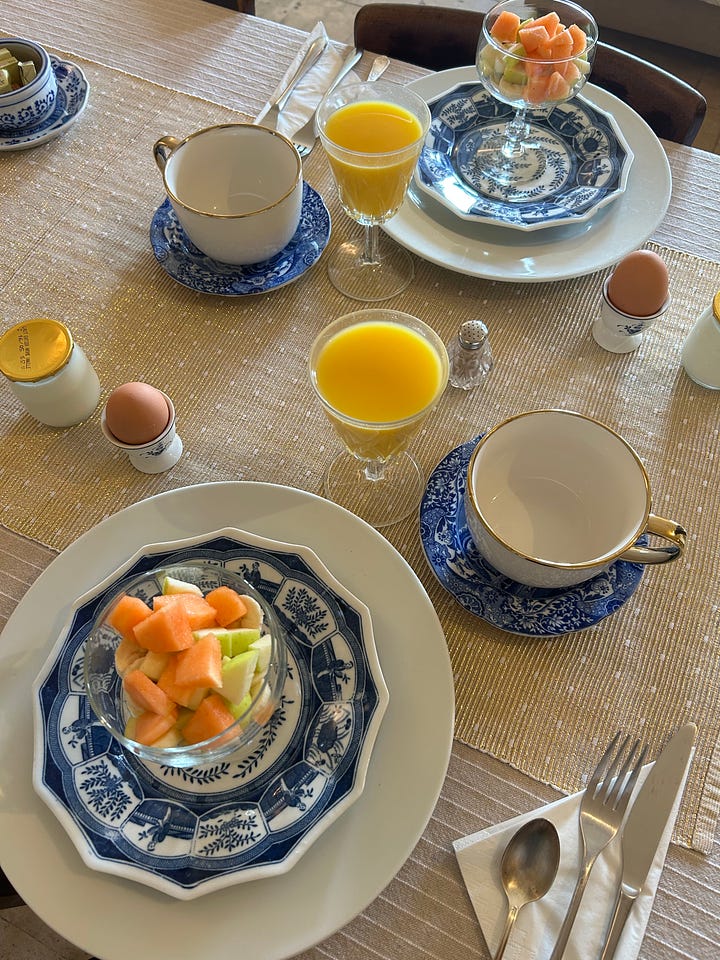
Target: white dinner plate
[432,232]
[352,861]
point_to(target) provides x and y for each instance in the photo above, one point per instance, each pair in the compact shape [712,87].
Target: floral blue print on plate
[586,166]
[189,831]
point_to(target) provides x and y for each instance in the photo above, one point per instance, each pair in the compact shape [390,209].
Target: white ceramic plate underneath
[356,857]
[432,232]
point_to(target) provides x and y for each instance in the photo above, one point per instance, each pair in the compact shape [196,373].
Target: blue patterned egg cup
[191,830]
[620,332]
[24,108]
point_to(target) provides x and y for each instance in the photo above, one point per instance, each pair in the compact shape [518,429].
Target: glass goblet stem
[371,252]
[516,133]
[375,469]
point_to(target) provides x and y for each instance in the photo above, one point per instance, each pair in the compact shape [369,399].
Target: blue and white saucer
[511,606]
[71,99]
[189,831]
[586,161]
[179,256]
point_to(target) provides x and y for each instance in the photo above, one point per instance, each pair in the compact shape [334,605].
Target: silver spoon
[378,68]
[528,869]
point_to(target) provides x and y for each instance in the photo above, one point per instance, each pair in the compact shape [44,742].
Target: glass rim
[376,85]
[435,342]
[591,42]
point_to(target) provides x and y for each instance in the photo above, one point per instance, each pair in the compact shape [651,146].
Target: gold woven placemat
[236,371]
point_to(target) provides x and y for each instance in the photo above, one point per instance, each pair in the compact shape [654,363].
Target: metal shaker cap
[473,334]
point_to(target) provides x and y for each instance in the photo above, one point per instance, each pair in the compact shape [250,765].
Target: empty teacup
[28,85]
[553,498]
[236,188]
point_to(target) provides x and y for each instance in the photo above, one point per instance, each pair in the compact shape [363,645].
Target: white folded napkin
[538,923]
[311,89]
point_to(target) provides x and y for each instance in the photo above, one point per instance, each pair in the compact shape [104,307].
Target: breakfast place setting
[359,521]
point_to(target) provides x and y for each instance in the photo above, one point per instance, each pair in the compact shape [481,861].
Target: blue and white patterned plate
[190,831]
[586,166]
[511,606]
[71,99]
[179,256]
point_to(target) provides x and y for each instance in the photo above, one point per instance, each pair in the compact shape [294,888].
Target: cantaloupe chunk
[190,696]
[505,27]
[165,630]
[551,22]
[561,45]
[536,89]
[532,37]
[200,613]
[557,87]
[145,693]
[201,664]
[149,727]
[579,39]
[210,719]
[229,605]
[126,614]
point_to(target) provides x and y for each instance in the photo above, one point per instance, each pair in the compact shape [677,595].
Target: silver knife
[305,136]
[645,826]
[312,55]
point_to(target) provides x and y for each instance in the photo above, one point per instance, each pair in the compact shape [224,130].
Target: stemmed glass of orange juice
[378,374]
[372,134]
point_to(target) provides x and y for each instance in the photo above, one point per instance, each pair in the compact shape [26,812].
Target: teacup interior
[232,170]
[560,488]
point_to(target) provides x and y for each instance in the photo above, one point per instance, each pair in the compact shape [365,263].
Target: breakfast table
[530,712]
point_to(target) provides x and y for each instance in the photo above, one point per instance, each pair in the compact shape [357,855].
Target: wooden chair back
[442,37]
[244,6]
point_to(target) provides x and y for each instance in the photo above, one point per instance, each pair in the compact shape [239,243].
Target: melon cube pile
[191,664]
[541,60]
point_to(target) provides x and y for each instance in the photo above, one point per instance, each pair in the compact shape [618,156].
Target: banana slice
[254,616]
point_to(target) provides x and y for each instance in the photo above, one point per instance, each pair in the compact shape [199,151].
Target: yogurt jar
[701,350]
[48,372]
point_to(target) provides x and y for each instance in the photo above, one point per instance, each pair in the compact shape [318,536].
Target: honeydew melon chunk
[153,664]
[173,585]
[130,728]
[232,641]
[238,709]
[237,675]
[264,648]
[254,616]
[171,739]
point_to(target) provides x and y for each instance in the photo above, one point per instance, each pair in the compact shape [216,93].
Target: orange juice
[378,373]
[373,149]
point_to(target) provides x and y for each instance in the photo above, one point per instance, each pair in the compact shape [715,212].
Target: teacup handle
[668,530]
[162,150]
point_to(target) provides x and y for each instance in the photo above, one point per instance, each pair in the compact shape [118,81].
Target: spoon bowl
[528,869]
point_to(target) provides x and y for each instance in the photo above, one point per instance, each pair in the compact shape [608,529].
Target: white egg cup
[156,455]
[621,332]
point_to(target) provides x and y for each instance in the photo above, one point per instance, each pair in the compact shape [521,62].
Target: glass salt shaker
[701,350]
[48,372]
[471,358]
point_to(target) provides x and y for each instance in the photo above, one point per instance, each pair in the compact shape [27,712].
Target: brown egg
[639,284]
[136,413]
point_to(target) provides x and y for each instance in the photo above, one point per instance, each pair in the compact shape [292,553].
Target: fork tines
[608,785]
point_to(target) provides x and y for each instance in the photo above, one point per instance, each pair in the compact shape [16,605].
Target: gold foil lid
[34,349]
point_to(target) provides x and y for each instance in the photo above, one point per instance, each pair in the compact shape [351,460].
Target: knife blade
[269,117]
[306,135]
[645,826]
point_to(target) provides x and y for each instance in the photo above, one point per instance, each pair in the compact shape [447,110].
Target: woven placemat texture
[236,369]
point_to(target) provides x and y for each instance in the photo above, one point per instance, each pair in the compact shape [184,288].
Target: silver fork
[601,812]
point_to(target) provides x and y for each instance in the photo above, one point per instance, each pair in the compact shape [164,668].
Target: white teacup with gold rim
[236,188]
[553,498]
